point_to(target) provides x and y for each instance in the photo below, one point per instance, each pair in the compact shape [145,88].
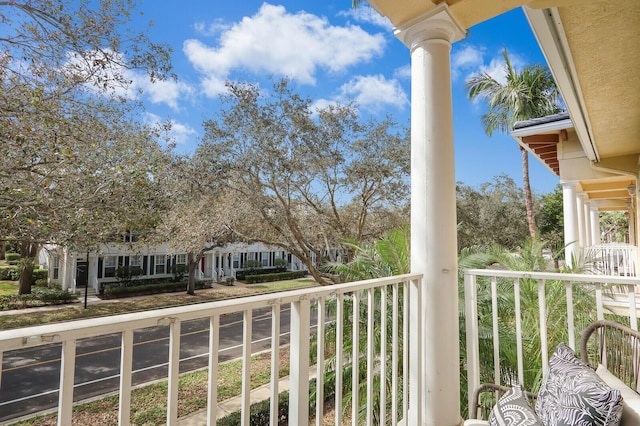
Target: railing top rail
[588,278]
[50,333]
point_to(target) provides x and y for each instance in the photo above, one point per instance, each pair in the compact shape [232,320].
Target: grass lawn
[284,285]
[8,288]
[149,403]
[122,306]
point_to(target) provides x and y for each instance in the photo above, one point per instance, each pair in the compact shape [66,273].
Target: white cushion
[630,399]
[476,422]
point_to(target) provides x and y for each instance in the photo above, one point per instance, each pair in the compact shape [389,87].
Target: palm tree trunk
[528,197]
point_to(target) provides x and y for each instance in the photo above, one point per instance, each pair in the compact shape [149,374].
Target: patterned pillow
[572,394]
[513,409]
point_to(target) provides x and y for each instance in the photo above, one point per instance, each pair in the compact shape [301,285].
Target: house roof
[555,118]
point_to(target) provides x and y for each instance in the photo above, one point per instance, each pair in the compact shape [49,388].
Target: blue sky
[331,53]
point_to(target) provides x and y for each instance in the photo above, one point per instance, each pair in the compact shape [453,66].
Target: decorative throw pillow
[572,394]
[513,409]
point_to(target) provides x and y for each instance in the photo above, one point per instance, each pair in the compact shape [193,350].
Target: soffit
[466,12]
[613,193]
[604,40]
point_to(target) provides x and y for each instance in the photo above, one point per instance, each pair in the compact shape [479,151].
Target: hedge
[9,273]
[41,296]
[115,291]
[12,258]
[252,279]
[259,412]
[12,273]
[241,274]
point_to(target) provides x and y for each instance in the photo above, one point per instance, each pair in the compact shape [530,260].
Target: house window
[160,260]
[135,261]
[110,265]
[56,267]
[265,258]
[181,259]
[236,261]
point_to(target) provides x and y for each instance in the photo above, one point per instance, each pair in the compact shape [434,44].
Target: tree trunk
[528,197]
[192,261]
[29,252]
[25,276]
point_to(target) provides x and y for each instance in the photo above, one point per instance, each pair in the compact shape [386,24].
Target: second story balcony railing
[514,319]
[613,259]
[361,335]
[511,322]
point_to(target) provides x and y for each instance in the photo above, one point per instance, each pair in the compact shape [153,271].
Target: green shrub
[126,275]
[114,290]
[12,258]
[178,271]
[260,414]
[41,283]
[52,295]
[241,274]
[252,279]
[39,274]
[9,273]
[229,281]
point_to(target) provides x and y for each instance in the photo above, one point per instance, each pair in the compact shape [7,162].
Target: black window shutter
[145,264]
[152,269]
[126,261]
[120,261]
[100,267]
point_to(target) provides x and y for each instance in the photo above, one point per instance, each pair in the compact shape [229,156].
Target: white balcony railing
[378,311]
[613,259]
[536,310]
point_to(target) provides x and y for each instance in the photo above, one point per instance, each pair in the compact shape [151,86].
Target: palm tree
[531,93]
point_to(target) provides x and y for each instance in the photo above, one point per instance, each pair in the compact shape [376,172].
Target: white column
[588,241]
[93,272]
[632,224]
[595,225]
[570,210]
[433,217]
[581,224]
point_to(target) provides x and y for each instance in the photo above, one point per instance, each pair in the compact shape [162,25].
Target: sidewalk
[232,405]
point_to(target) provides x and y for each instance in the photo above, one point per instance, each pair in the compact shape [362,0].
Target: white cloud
[403,72]
[276,42]
[167,92]
[179,133]
[106,73]
[369,15]
[211,29]
[182,133]
[372,92]
[319,104]
[467,59]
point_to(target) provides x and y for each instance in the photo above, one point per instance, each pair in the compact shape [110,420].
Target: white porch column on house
[67,271]
[581,221]
[93,272]
[570,210]
[595,224]
[588,241]
[632,224]
[433,217]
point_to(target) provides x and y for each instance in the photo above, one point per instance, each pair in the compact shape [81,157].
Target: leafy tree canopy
[307,179]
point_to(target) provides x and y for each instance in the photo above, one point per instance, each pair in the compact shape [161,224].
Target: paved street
[30,376]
